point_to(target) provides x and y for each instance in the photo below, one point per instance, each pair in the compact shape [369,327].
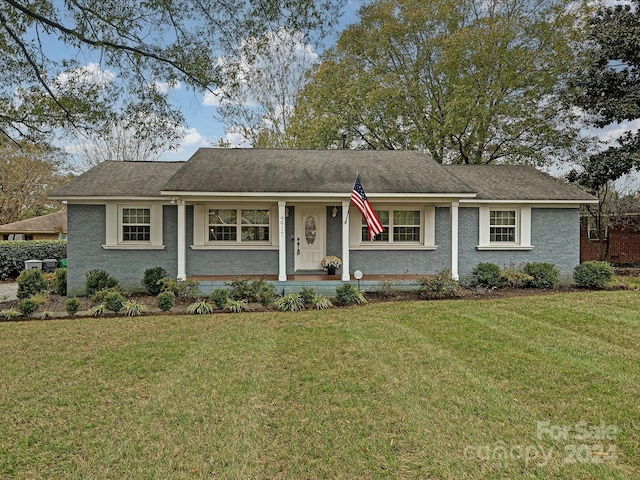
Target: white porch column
[345,241]
[282,245]
[454,240]
[182,240]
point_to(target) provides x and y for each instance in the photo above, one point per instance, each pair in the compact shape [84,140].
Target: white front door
[310,236]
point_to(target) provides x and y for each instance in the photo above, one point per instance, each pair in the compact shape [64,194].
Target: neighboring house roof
[313,171]
[51,223]
[213,170]
[516,182]
[120,179]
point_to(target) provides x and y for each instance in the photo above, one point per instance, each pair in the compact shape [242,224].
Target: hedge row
[14,254]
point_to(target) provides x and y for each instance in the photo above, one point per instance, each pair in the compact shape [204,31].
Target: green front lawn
[532,387]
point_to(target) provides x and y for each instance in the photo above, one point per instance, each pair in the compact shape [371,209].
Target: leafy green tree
[606,89]
[136,48]
[470,81]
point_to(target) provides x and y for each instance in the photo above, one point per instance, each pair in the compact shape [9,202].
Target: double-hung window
[504,228]
[239,225]
[136,225]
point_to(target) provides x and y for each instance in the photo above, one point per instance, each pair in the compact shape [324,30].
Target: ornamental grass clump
[237,306]
[291,302]
[134,308]
[349,294]
[201,307]
[321,302]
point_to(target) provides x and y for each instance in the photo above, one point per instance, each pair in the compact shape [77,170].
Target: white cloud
[91,75]
[192,137]
[165,87]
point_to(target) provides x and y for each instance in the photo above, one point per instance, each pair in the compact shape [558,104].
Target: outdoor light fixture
[334,211]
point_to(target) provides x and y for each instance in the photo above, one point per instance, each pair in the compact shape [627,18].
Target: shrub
[349,294]
[220,296]
[291,302]
[41,297]
[243,289]
[543,275]
[114,301]
[237,306]
[592,274]
[487,275]
[100,295]
[266,294]
[133,308]
[14,254]
[72,305]
[60,282]
[28,307]
[97,280]
[152,279]
[181,288]
[165,301]
[515,277]
[31,282]
[201,307]
[440,285]
[307,294]
[50,278]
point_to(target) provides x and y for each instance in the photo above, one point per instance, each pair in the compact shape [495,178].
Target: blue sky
[203,130]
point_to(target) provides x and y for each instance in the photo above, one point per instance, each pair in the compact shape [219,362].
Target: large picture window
[239,225]
[399,225]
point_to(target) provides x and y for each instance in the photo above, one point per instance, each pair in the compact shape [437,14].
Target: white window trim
[427,230]
[201,228]
[523,228]
[113,237]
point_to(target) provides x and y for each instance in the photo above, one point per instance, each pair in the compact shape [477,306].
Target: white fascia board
[103,200]
[539,203]
[316,195]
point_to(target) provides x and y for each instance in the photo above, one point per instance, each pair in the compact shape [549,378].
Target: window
[239,225]
[399,225]
[502,226]
[133,226]
[407,227]
[136,224]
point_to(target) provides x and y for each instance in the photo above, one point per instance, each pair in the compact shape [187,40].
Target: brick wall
[624,244]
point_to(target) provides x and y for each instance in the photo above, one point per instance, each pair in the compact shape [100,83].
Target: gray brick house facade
[277,213]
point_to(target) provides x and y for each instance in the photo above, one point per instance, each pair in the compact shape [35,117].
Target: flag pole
[349,207]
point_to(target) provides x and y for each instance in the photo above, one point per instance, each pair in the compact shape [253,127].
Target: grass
[447,389]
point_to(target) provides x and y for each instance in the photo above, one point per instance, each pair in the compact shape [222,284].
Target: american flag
[359,199]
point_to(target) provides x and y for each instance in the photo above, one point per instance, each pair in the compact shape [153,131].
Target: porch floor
[313,277]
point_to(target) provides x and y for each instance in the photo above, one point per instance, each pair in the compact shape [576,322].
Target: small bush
[41,297]
[50,278]
[307,294]
[31,282]
[72,305]
[592,274]
[97,280]
[348,294]
[220,297]
[201,307]
[543,275]
[291,302]
[28,307]
[60,282]
[266,294]
[515,277]
[487,275]
[237,306]
[152,279]
[181,288]
[133,308]
[114,301]
[440,285]
[100,295]
[243,289]
[165,301]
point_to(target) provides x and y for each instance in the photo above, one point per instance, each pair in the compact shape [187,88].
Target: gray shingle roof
[212,170]
[313,171]
[120,179]
[516,182]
